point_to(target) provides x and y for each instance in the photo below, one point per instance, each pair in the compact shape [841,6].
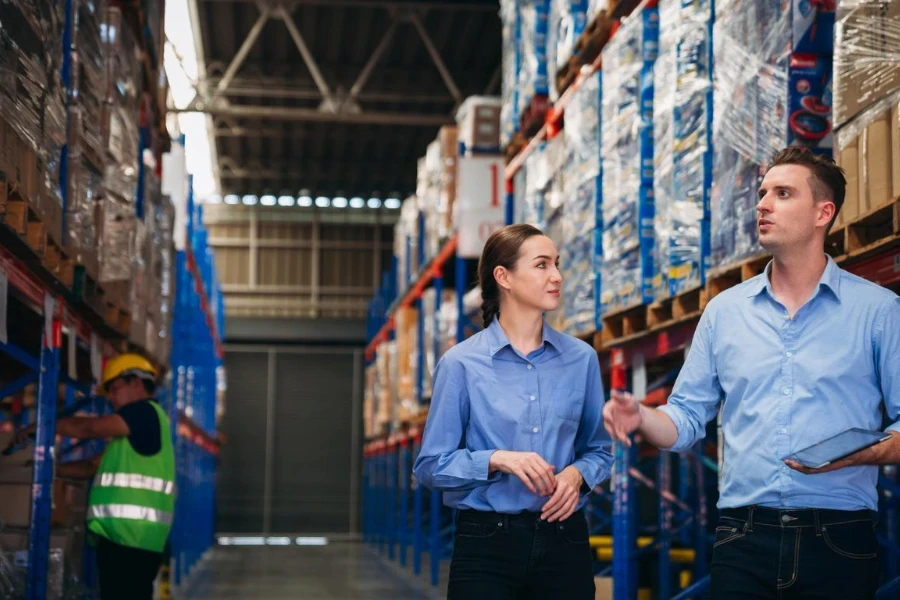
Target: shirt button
[535,430]
[784,430]
[786,391]
[530,367]
[789,354]
[532,398]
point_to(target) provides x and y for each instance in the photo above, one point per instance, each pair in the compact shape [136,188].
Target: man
[132,498]
[792,356]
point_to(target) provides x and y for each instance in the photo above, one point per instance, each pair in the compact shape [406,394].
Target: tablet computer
[837,447]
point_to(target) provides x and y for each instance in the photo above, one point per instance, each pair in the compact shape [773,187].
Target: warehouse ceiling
[337,97]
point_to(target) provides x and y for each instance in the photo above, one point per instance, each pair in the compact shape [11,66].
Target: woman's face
[536,280]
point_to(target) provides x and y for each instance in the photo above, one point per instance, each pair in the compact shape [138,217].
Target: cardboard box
[865,31]
[848,159]
[479,124]
[810,115]
[895,150]
[603,588]
[878,164]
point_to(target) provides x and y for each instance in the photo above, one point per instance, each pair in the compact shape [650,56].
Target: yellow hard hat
[124,365]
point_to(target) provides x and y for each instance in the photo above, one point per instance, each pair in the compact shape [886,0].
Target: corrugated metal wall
[273,265]
[293,427]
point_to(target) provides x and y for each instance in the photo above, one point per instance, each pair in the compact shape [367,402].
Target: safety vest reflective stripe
[130,511]
[135,481]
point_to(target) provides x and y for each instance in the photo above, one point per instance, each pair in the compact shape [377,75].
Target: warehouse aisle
[339,571]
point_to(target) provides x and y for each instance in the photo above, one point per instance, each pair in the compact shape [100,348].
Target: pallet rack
[654,340]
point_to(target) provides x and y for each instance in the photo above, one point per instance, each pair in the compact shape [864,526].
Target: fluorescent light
[357,202]
[374,203]
[232,199]
[242,541]
[322,201]
[214,199]
[278,541]
[285,200]
[268,200]
[312,541]
[250,200]
[339,202]
[392,203]
[304,201]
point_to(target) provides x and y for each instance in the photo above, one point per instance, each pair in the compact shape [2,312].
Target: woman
[514,437]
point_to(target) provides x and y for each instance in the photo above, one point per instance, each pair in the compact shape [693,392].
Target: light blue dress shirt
[785,383]
[487,396]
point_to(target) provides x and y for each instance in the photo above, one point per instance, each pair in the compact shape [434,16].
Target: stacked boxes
[530,208]
[627,162]
[567,20]
[478,123]
[524,71]
[772,89]
[406,243]
[33,103]
[439,335]
[512,64]
[867,97]
[580,248]
[407,329]
[682,121]
[447,140]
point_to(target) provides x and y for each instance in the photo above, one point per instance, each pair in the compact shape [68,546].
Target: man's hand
[533,470]
[564,500]
[622,416]
[880,454]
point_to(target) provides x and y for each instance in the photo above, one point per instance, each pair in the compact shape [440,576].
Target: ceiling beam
[281,113]
[282,88]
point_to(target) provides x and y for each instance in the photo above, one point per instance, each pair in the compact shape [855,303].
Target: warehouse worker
[793,356]
[514,436]
[132,498]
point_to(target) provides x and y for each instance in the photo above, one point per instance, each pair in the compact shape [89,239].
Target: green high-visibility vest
[132,500]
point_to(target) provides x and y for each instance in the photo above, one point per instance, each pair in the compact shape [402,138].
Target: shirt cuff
[481,461]
[588,474]
[895,427]
[681,426]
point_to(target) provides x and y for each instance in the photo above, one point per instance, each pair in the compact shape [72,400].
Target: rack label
[480,204]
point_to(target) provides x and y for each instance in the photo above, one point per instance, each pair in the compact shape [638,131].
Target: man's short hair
[827,181]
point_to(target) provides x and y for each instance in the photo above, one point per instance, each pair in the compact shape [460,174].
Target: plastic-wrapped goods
[32,96]
[118,226]
[580,249]
[559,158]
[537,178]
[519,192]
[122,90]
[439,334]
[407,362]
[682,108]
[447,137]
[84,193]
[383,398]
[765,98]
[567,20]
[428,196]
[533,76]
[627,162]
[370,403]
[511,65]
[866,57]
[406,244]
[87,84]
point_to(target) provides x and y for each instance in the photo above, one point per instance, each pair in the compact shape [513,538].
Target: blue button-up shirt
[488,396]
[785,383]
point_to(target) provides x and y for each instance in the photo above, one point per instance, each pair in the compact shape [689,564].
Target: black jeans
[794,554]
[518,557]
[126,573]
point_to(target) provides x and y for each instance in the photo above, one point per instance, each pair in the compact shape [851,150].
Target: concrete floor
[339,571]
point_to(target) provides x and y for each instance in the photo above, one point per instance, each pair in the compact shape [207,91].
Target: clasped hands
[539,477]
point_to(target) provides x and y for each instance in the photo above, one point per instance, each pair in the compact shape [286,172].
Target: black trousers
[762,553]
[126,573]
[519,557]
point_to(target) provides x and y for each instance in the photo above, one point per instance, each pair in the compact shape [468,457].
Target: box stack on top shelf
[867,110]
[682,165]
[773,72]
[512,64]
[627,163]
[33,110]
[525,80]
[566,21]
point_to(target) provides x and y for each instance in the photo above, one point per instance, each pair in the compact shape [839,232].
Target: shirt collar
[497,339]
[831,280]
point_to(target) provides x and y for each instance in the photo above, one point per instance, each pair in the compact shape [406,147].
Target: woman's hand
[533,470]
[561,506]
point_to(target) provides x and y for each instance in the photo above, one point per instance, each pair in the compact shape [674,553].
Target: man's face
[119,392]
[789,215]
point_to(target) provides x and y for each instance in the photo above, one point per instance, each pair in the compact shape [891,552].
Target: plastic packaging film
[567,19]
[866,64]
[595,7]
[85,191]
[512,63]
[533,77]
[627,145]
[88,75]
[682,111]
[117,238]
[536,181]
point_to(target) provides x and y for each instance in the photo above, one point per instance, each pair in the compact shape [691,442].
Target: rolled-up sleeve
[887,360]
[593,458]
[444,463]
[697,394]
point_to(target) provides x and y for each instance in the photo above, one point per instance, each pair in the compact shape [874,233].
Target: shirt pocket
[568,402]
